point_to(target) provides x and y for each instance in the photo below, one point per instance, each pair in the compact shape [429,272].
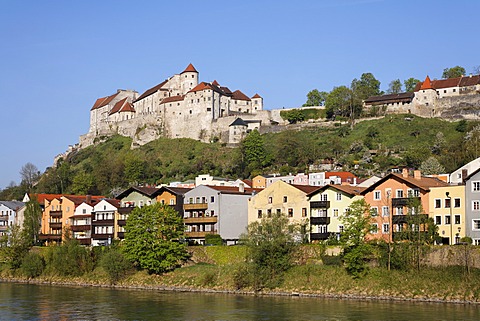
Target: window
[270,199]
[335,212]
[374,211]
[279,211]
[340,228]
[476,241]
[399,193]
[447,202]
[304,212]
[476,224]
[212,199]
[339,197]
[172,201]
[290,212]
[386,228]
[324,197]
[259,215]
[385,211]
[377,195]
[285,198]
[413,192]
[84,211]
[476,186]
[476,205]
[399,210]
[374,228]
[269,212]
[438,220]
[456,202]
[447,219]
[457,219]
[438,203]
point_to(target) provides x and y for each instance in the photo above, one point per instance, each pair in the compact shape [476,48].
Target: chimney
[241,188]
[405,173]
[88,199]
[417,174]
[464,175]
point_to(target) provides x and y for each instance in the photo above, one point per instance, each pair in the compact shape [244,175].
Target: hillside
[371,147]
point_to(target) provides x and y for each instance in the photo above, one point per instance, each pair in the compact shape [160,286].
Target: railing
[125,210]
[78,228]
[51,237]
[319,220]
[408,219]
[56,213]
[195,206]
[198,234]
[320,236]
[56,226]
[320,204]
[403,201]
[122,222]
[102,236]
[103,222]
[121,235]
[200,220]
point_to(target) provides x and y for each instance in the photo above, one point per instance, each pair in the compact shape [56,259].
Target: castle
[445,98]
[179,107]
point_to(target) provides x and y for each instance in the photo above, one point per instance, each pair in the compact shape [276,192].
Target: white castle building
[447,98]
[179,107]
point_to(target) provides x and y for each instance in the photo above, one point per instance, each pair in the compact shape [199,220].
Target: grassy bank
[212,269]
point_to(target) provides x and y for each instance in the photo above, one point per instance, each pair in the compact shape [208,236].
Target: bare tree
[30,174]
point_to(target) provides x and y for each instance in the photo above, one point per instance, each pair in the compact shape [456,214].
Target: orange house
[389,199]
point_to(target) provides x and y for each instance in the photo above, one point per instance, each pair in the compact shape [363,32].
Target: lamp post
[451,219]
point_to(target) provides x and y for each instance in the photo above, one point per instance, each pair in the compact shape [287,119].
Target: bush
[69,259]
[335,260]
[115,264]
[213,239]
[33,265]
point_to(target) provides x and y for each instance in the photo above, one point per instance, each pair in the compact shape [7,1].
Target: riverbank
[440,286]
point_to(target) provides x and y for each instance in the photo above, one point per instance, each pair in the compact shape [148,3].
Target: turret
[257,103]
[188,79]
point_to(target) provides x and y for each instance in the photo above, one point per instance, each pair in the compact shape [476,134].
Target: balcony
[85,241]
[51,237]
[125,210]
[198,234]
[196,206]
[103,222]
[200,220]
[122,222]
[320,204]
[104,236]
[79,228]
[55,213]
[3,227]
[121,235]
[56,225]
[320,220]
[320,236]
[403,201]
[404,219]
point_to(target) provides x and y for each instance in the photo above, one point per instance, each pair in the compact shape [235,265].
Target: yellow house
[259,181]
[281,197]
[327,205]
[447,208]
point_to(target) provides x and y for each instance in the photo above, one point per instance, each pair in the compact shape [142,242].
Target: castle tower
[257,103]
[188,79]
[425,99]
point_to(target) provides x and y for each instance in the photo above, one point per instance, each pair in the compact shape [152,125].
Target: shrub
[115,264]
[335,260]
[213,239]
[69,259]
[33,265]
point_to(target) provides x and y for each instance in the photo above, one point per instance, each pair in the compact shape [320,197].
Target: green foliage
[334,260]
[394,87]
[13,247]
[453,72]
[33,265]
[213,239]
[339,102]
[153,236]
[462,126]
[357,224]
[293,116]
[466,239]
[270,244]
[114,262]
[83,184]
[410,84]
[32,222]
[316,98]
[431,166]
[253,151]
[68,259]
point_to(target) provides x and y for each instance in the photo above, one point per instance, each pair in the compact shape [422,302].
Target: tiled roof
[152,90]
[204,86]
[172,99]
[238,122]
[113,202]
[147,191]
[13,205]
[427,84]
[215,83]
[238,95]
[79,199]
[235,190]
[306,188]
[450,82]
[391,98]
[469,81]
[343,175]
[100,102]
[348,189]
[189,68]
[423,183]
[122,106]
[173,190]
[256,96]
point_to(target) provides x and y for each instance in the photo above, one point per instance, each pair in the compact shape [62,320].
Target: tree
[83,183]
[356,224]
[293,116]
[410,84]
[339,102]
[431,166]
[366,86]
[29,174]
[13,247]
[316,98]
[32,222]
[153,238]
[253,151]
[134,169]
[115,263]
[453,72]
[395,87]
[270,244]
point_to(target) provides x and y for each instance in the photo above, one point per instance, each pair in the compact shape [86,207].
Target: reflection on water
[36,302]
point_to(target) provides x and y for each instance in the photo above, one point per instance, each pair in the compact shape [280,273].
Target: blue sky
[57,57]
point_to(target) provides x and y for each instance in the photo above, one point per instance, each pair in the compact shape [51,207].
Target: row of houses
[215,205]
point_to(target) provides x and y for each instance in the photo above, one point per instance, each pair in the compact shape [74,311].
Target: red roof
[306,188]
[235,190]
[173,98]
[450,82]
[215,83]
[152,90]
[427,84]
[343,175]
[238,95]
[204,86]
[189,68]
[100,102]
[122,106]
[256,96]
[88,199]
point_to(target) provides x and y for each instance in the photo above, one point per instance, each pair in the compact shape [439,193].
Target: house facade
[103,221]
[9,215]
[472,206]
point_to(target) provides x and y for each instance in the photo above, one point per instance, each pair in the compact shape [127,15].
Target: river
[43,302]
